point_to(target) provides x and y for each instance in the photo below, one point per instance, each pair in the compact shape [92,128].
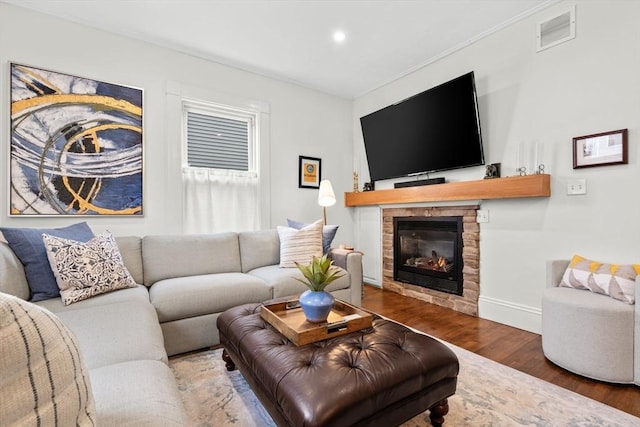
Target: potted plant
[316,303]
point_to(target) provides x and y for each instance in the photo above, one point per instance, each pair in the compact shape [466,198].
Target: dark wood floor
[512,347]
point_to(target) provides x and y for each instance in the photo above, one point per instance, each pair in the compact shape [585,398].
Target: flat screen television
[436,130]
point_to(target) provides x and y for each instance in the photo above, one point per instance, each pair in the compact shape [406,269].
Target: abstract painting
[76,145]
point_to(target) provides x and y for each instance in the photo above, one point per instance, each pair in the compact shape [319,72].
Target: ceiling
[292,40]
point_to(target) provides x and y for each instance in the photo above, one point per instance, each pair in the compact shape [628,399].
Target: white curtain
[220,200]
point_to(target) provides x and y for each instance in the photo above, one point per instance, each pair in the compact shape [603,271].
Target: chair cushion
[588,333]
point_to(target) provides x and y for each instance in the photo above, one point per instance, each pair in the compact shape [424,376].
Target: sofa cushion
[84,270]
[615,280]
[41,368]
[140,294]
[137,393]
[131,251]
[184,297]
[300,245]
[283,283]
[166,257]
[27,244]
[118,332]
[328,233]
[259,248]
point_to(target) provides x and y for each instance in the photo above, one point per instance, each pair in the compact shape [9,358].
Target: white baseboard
[372,281]
[509,313]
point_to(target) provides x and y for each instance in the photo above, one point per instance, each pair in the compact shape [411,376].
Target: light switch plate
[576,187]
[482,215]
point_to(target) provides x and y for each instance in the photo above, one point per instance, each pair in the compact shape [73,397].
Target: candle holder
[540,169]
[522,170]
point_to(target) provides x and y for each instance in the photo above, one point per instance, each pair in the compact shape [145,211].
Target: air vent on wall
[556,29]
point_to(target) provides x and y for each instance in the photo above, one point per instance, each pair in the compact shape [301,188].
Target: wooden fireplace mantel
[484,189]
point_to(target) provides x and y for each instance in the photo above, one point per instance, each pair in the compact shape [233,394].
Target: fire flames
[435,263]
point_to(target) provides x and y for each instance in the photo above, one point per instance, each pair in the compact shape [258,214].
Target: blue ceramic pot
[316,305]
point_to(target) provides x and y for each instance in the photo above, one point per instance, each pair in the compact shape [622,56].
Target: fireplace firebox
[428,252]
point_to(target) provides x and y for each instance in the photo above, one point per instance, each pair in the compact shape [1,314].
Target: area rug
[489,394]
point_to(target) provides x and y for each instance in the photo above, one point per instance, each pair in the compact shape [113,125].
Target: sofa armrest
[555,271]
[12,278]
[352,262]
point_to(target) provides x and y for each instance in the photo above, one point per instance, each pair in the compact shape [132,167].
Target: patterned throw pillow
[617,281]
[44,380]
[84,270]
[300,245]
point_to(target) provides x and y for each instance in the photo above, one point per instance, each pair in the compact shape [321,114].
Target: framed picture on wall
[607,148]
[309,172]
[76,145]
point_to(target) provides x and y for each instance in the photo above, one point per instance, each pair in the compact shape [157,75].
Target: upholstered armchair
[590,334]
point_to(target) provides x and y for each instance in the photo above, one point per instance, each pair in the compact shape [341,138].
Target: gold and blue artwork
[76,145]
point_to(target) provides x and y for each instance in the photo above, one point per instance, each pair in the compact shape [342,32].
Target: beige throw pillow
[300,245]
[44,380]
[84,270]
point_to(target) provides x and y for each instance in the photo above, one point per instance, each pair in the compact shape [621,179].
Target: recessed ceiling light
[339,36]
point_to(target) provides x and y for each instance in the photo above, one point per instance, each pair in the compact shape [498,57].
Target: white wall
[302,121]
[584,86]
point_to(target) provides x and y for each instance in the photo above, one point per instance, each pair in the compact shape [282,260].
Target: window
[219,138]
[220,174]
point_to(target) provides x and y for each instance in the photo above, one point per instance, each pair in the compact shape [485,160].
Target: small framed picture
[607,148]
[309,169]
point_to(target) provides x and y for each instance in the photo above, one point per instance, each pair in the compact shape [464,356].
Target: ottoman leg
[228,362]
[437,413]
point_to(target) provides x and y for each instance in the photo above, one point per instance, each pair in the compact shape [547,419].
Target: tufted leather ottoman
[380,376]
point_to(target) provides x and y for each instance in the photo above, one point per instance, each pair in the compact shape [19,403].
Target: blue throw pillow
[328,233]
[29,247]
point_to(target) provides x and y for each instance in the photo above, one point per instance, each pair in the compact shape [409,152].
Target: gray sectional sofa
[184,283]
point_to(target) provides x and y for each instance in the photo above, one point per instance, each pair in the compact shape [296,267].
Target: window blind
[217,142]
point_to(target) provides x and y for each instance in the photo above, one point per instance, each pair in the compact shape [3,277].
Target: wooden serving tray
[288,318]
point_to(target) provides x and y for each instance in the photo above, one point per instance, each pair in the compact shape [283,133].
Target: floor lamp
[326,197]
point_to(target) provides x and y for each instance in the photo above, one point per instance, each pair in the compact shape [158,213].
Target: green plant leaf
[319,273]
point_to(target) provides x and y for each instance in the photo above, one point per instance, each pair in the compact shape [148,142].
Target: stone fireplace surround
[468,302]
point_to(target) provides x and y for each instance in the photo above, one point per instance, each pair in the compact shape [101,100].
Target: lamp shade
[326,197]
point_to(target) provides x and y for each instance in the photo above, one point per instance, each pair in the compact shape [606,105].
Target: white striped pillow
[300,245]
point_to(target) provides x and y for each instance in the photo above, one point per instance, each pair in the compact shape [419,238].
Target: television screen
[436,130]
